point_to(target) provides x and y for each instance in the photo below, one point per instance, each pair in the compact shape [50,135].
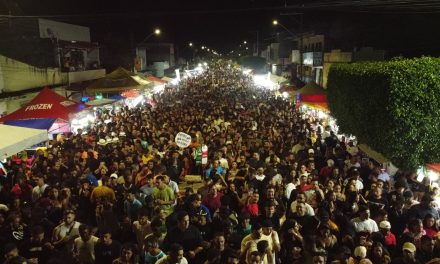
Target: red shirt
[252,209]
[390,239]
[213,203]
[431,232]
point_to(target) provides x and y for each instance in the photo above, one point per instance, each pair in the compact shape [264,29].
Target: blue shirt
[132,209]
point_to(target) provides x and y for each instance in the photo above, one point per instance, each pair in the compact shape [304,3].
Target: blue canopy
[43,123]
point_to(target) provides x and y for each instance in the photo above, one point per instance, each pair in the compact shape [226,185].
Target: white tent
[14,139]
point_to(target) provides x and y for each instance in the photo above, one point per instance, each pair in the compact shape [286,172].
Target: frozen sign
[38,107]
[183,140]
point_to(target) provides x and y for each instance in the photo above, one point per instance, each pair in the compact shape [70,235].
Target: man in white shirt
[38,191]
[175,256]
[364,223]
[290,186]
[301,197]
[84,246]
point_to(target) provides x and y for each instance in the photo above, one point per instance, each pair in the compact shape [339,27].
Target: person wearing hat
[102,142]
[389,238]
[425,207]
[364,222]
[409,255]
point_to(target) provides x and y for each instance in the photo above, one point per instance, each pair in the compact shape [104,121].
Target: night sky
[408,30]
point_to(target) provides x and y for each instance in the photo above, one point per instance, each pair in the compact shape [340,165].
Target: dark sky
[222,24]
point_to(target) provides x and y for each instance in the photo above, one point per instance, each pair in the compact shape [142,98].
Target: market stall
[16,139]
[313,96]
[118,81]
[45,110]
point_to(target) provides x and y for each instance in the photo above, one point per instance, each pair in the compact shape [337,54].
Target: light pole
[277,23]
[156,32]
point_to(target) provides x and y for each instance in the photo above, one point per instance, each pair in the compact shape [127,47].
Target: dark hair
[175,248]
[181,215]
[262,245]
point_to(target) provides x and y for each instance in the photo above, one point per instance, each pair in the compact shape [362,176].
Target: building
[338,56]
[155,56]
[35,53]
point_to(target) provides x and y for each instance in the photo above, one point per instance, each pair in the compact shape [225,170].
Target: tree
[392,106]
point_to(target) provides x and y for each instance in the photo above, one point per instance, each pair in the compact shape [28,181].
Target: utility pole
[301,37]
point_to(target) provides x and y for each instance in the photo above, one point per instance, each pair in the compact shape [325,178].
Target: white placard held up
[183,140]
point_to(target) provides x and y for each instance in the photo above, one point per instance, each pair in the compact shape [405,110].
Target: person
[427,250]
[65,233]
[419,211]
[409,255]
[153,253]
[142,228]
[175,256]
[84,246]
[389,237]
[39,189]
[127,255]
[186,235]
[250,241]
[38,248]
[364,222]
[131,204]
[163,195]
[107,249]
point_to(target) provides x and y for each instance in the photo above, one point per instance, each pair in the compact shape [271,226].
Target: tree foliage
[392,106]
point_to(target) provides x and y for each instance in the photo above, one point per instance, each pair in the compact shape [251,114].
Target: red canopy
[433,166]
[47,104]
[155,79]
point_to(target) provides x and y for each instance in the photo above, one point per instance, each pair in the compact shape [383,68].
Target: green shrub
[392,106]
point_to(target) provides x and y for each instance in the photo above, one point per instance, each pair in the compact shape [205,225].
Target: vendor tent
[278,79]
[45,108]
[313,95]
[167,79]
[433,166]
[117,81]
[157,81]
[372,153]
[15,139]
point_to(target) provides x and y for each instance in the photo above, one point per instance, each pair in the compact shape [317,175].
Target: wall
[18,76]
[335,56]
[63,31]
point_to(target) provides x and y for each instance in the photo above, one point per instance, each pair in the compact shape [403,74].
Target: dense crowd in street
[279,186]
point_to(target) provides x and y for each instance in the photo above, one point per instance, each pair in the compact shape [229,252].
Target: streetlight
[190,44]
[155,32]
[245,42]
[203,47]
[276,23]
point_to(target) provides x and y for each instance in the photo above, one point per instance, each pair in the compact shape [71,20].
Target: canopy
[157,81]
[312,93]
[167,79]
[433,166]
[103,101]
[288,88]
[117,81]
[16,139]
[277,79]
[372,153]
[46,105]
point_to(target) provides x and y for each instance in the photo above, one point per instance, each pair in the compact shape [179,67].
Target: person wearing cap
[409,255]
[364,222]
[389,238]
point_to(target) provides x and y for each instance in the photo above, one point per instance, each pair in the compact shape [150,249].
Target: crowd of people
[279,186]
